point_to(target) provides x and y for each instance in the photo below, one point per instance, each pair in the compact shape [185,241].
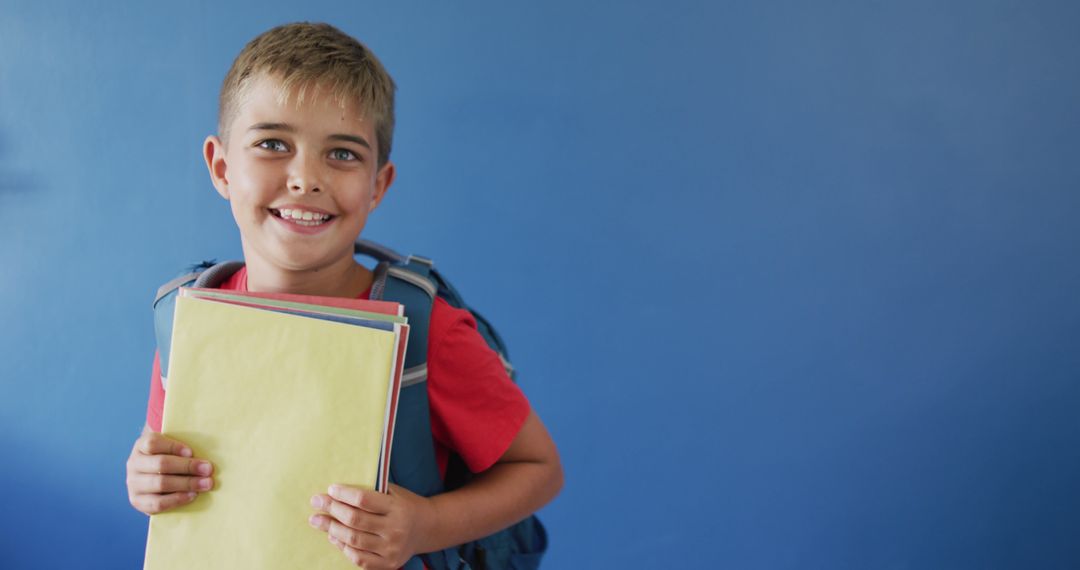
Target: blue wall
[794,285]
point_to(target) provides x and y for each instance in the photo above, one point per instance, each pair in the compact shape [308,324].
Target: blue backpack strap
[412,463]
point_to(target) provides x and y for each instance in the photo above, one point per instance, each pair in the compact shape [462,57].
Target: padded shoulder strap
[413,464]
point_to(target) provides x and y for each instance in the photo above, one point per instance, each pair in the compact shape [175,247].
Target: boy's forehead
[265,99]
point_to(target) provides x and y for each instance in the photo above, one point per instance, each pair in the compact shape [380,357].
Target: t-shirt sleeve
[476,409]
[156,405]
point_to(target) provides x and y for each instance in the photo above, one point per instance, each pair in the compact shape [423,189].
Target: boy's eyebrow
[273,127]
[351,138]
[291,129]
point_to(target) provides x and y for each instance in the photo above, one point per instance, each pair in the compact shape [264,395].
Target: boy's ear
[214,154]
[383,179]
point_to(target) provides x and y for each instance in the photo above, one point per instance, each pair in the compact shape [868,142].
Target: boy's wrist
[429,525]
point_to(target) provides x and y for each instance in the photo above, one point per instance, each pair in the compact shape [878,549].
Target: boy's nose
[303,176]
[302,187]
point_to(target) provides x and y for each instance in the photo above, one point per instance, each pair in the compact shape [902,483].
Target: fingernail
[185,452]
[313,521]
[191,496]
[203,469]
[333,491]
[316,502]
[205,484]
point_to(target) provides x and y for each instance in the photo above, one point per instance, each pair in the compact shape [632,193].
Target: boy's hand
[374,530]
[162,474]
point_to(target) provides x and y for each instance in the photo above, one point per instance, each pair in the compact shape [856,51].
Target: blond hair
[309,56]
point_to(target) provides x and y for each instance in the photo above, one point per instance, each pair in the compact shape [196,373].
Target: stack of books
[285,395]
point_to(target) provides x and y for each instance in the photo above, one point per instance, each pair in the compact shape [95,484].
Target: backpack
[413,282]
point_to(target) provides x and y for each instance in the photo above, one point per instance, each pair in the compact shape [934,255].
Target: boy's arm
[384,530]
[525,478]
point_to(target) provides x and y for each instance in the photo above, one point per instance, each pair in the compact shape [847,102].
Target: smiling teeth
[304,218]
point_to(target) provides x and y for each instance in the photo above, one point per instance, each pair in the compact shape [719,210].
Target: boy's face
[301,179]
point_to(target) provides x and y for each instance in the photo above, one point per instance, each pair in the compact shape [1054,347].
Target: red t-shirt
[476,410]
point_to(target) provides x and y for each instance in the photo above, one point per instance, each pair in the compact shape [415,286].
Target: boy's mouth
[301,217]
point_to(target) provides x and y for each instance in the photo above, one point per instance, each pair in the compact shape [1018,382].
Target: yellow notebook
[283,406]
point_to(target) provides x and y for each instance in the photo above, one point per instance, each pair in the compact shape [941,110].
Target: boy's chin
[298,258]
[304,265]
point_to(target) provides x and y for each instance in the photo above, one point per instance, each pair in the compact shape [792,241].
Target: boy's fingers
[336,542]
[321,522]
[156,444]
[359,557]
[355,538]
[370,501]
[171,465]
[152,503]
[353,517]
[169,483]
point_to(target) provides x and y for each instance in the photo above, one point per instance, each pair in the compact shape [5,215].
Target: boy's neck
[343,279]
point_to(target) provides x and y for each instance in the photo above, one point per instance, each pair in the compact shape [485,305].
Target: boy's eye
[343,154]
[273,144]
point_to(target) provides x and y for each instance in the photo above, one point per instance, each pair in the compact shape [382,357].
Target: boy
[305,122]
